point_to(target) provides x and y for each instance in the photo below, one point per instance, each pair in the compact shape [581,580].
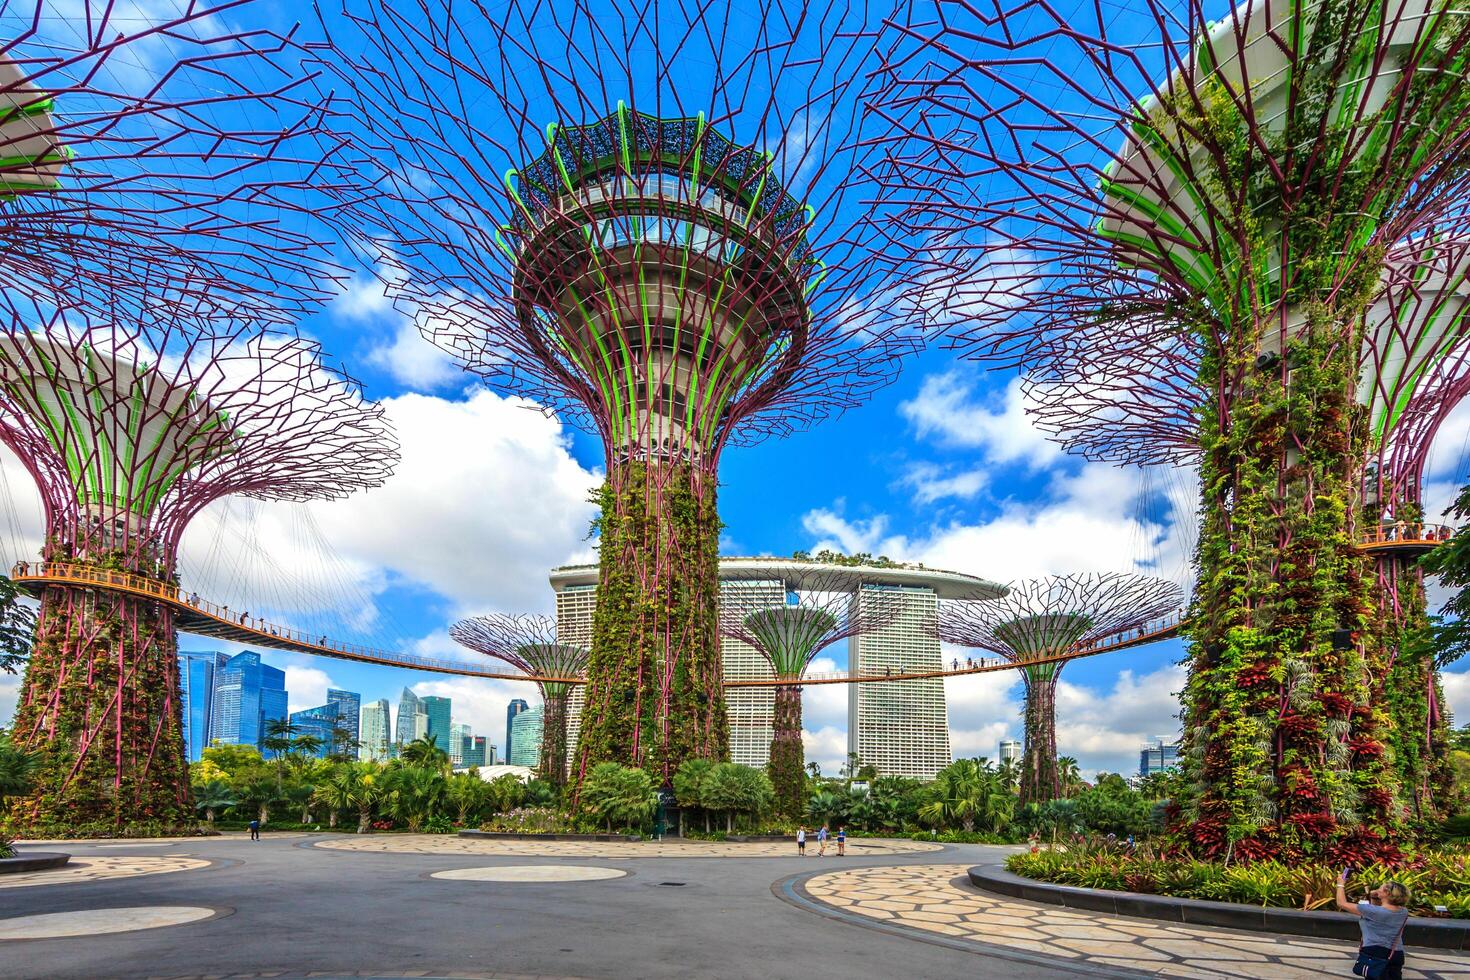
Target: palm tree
[826,807]
[17,776]
[467,793]
[1009,775]
[506,792]
[424,752]
[415,793]
[1068,775]
[619,795]
[306,746]
[349,786]
[279,733]
[968,790]
[212,795]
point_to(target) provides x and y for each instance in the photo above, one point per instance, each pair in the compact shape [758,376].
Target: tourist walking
[1381,923]
[801,841]
[822,841]
[841,841]
[255,829]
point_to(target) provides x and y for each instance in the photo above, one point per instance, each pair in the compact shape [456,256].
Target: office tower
[1010,751]
[902,729]
[248,696]
[458,735]
[437,712]
[349,707]
[515,707]
[319,723]
[525,734]
[1158,755]
[377,745]
[410,708]
[196,688]
[473,752]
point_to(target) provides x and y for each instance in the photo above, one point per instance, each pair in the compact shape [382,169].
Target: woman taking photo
[1381,919]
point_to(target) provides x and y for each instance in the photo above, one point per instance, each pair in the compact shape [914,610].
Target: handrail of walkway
[198,615]
[1404,535]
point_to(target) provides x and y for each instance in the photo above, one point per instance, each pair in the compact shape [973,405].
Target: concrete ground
[294,905]
[287,908]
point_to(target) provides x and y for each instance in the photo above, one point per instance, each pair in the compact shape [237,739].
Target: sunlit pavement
[339,905]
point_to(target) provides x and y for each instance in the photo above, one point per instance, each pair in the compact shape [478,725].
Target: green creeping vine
[656,599]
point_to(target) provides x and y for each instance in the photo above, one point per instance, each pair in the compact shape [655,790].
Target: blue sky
[942,466]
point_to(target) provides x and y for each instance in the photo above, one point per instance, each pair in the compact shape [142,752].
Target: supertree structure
[822,610]
[530,643]
[691,253]
[1232,192]
[167,157]
[129,429]
[1041,620]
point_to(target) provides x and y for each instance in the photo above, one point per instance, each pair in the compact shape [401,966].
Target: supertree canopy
[530,643]
[129,430]
[667,225]
[1034,626]
[1237,193]
[821,611]
[165,157]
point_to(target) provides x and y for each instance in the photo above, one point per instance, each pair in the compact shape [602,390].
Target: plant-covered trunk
[729,821]
[554,734]
[655,693]
[209,815]
[263,813]
[787,766]
[100,703]
[332,818]
[364,820]
[1284,746]
[1040,781]
[1411,689]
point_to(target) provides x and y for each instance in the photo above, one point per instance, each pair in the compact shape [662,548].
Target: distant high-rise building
[473,752]
[248,696]
[1157,756]
[437,710]
[377,744]
[525,738]
[515,707]
[196,686]
[410,708]
[319,722]
[458,736]
[349,707]
[1010,751]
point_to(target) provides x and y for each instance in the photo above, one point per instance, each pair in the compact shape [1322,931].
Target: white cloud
[307,687]
[413,361]
[1105,730]
[9,697]
[945,409]
[932,483]
[826,746]
[1457,694]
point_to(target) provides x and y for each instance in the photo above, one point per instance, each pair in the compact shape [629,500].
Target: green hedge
[1433,879]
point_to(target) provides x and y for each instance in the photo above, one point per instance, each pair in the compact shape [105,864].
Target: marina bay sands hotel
[901,728]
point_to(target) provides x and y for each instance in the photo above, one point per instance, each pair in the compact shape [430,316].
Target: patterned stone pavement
[442,844]
[100,867]
[938,899]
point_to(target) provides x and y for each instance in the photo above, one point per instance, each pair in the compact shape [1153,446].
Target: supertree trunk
[100,704]
[1411,690]
[554,735]
[1040,780]
[787,767]
[1283,745]
[654,684]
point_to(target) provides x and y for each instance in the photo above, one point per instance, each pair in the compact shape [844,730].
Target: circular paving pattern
[100,922]
[532,872]
[938,899]
[446,844]
[101,867]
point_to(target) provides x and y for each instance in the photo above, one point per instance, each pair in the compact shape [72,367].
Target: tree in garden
[730,788]
[17,627]
[1236,192]
[822,612]
[619,795]
[670,227]
[970,793]
[414,794]
[1035,626]
[213,795]
[424,752]
[689,788]
[530,643]
[467,793]
[18,770]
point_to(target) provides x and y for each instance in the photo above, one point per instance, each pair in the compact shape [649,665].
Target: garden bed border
[34,861]
[508,835]
[1434,933]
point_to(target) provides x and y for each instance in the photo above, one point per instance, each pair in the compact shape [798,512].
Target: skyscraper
[525,738]
[515,707]
[1010,751]
[437,710]
[196,684]
[1158,755]
[377,744]
[410,708]
[319,723]
[458,736]
[248,696]
[349,706]
[474,751]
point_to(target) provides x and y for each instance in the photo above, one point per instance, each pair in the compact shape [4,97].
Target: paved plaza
[294,905]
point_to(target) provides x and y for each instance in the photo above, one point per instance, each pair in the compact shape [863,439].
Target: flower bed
[1434,879]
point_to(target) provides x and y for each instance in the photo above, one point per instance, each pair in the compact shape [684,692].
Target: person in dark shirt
[1382,925]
